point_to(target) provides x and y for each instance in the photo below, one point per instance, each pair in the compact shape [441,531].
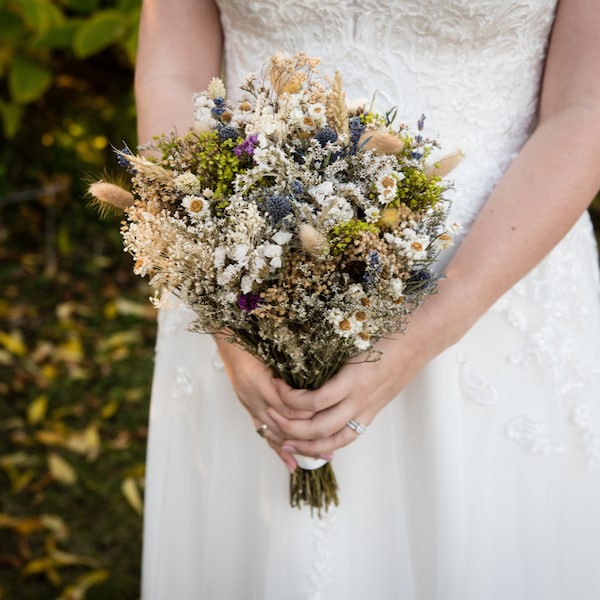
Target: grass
[76,344]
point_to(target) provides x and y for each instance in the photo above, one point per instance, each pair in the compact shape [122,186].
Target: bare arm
[180,50]
[534,205]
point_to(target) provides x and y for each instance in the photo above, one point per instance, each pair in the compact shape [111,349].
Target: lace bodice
[472,66]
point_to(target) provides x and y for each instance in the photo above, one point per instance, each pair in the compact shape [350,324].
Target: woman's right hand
[253,384]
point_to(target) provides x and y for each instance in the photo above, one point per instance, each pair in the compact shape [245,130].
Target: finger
[324,446]
[286,457]
[311,401]
[269,431]
[324,424]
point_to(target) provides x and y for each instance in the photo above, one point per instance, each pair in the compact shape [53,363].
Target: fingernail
[327,457]
[289,449]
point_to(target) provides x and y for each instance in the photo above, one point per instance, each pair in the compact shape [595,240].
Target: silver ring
[262,430]
[355,426]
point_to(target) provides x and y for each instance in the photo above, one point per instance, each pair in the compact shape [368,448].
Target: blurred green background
[76,330]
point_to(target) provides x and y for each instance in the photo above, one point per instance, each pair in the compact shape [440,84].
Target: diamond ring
[262,430]
[355,426]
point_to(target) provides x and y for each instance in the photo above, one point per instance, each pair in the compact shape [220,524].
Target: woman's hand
[356,393]
[254,386]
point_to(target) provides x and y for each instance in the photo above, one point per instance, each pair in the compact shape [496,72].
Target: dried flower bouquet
[304,229]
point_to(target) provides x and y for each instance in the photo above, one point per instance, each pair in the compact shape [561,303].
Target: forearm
[180,50]
[534,205]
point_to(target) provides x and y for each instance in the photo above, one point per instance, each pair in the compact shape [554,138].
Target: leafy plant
[40,36]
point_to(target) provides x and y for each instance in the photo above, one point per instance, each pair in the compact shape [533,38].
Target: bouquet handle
[313,484]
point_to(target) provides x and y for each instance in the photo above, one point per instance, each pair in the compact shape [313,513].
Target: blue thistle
[122,160]
[420,280]
[326,135]
[279,208]
[356,130]
[297,188]
[228,133]
[373,270]
[219,108]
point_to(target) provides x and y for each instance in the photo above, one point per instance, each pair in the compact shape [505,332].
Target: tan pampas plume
[150,170]
[109,197]
[381,142]
[312,240]
[284,76]
[337,109]
[444,166]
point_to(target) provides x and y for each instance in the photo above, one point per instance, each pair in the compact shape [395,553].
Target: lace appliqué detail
[320,575]
[552,340]
[533,436]
[474,385]
[183,385]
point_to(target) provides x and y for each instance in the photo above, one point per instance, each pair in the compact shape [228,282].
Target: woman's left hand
[356,393]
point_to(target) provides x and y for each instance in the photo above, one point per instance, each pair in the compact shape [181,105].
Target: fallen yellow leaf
[61,470]
[109,409]
[50,438]
[36,411]
[131,491]
[55,524]
[135,309]
[86,442]
[79,589]
[13,342]
[70,351]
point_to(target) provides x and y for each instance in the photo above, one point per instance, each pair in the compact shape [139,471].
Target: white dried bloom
[196,206]
[187,183]
[219,257]
[386,184]
[362,343]
[203,118]
[282,237]
[239,253]
[318,113]
[396,288]
[372,214]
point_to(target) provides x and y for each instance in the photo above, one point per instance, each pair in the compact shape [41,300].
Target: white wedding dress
[482,480]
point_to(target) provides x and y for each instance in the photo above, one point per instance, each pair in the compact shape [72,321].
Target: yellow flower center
[196,205]
[417,246]
[345,325]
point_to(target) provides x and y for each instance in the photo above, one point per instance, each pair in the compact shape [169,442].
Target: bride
[474,478]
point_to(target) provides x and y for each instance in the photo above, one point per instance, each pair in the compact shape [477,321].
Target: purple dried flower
[249,302]
[247,146]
